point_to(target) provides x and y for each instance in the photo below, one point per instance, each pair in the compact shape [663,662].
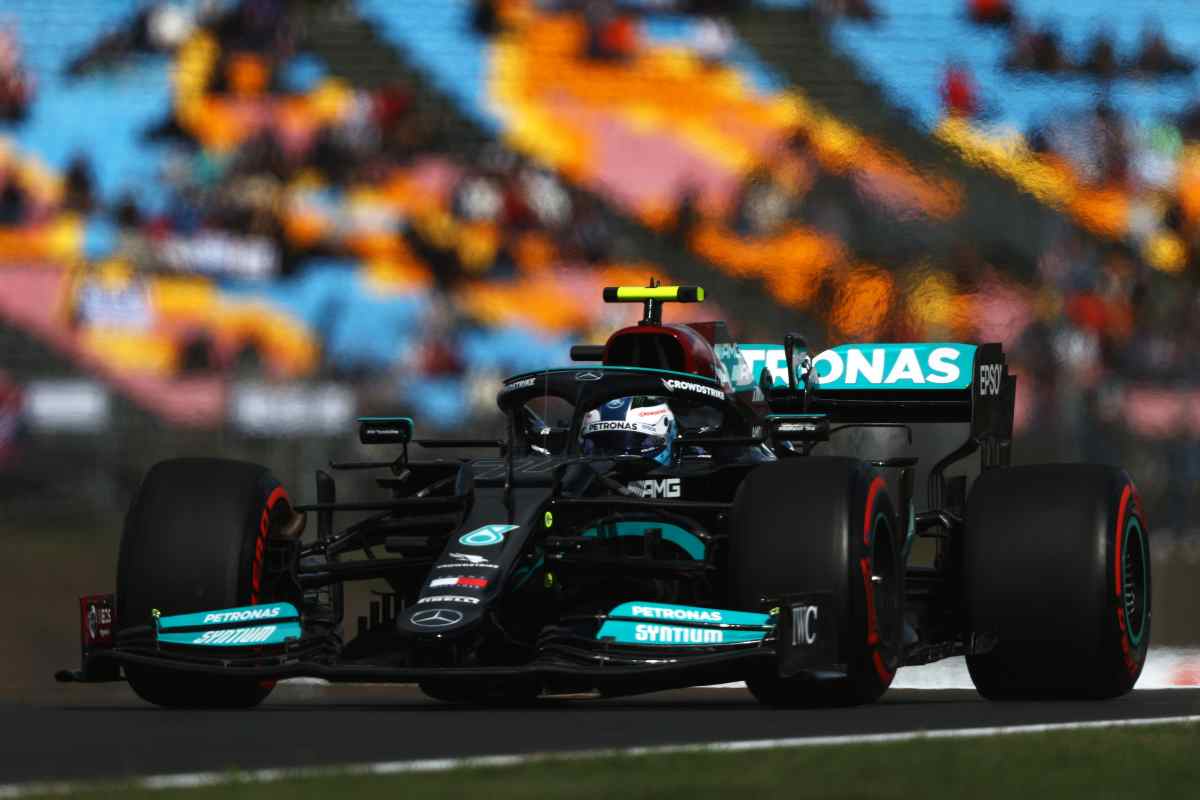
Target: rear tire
[1057,567]
[822,523]
[194,540]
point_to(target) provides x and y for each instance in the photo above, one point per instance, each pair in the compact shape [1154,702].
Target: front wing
[611,664]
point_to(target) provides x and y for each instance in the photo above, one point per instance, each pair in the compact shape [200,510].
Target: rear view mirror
[799,427]
[385,430]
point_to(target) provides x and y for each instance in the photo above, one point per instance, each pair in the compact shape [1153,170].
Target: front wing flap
[637,647]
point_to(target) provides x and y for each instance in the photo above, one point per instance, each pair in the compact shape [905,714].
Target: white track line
[1166,668]
[194,780]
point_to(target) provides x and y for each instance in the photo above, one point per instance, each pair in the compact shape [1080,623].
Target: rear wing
[900,383]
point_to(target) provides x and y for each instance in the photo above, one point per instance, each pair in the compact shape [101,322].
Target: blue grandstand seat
[436,35]
[909,48]
[359,328]
[513,349]
[680,29]
[437,402]
[104,115]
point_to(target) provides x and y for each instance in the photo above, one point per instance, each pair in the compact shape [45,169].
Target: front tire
[194,540]
[1057,568]
[822,523]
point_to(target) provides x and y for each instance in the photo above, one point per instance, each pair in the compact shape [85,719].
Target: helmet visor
[609,443]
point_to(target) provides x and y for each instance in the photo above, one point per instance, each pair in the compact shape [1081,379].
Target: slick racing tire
[822,524]
[194,540]
[1056,571]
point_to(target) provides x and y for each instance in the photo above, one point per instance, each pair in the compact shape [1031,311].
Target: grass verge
[1152,761]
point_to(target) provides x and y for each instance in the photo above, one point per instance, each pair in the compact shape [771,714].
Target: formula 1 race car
[666,514]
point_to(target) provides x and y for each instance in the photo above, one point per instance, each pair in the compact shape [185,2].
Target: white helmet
[643,426]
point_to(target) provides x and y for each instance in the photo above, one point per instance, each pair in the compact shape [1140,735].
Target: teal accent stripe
[642,609]
[654,632]
[689,542]
[242,615]
[1136,641]
[665,624]
[255,636]
[245,626]
[911,535]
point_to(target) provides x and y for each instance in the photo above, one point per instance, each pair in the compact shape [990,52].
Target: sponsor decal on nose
[466,581]
[486,535]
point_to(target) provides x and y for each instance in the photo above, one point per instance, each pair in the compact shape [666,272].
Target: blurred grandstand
[245,222]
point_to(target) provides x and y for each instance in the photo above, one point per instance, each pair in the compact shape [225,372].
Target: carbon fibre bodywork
[535,562]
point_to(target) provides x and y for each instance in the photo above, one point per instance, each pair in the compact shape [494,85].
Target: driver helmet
[641,426]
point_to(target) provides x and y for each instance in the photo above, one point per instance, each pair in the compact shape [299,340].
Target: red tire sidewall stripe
[874,641]
[260,548]
[876,485]
[1133,664]
[260,542]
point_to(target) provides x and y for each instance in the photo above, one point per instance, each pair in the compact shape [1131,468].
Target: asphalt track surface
[104,732]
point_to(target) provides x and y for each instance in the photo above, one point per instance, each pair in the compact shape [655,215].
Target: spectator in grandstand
[489,17]
[544,195]
[713,41]
[1101,60]
[1035,50]
[860,10]
[1038,140]
[390,106]
[590,236]
[687,214]
[702,7]
[612,34]
[485,20]
[1155,56]
[12,403]
[439,354]
[14,199]
[1048,54]
[11,419]
[1020,48]
[158,28]
[1097,146]
[77,185]
[1188,120]
[477,197]
[1112,145]
[16,84]
[259,26]
[959,94]
[133,244]
[762,205]
[991,12]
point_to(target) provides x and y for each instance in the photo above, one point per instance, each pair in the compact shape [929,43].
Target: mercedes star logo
[588,376]
[436,617]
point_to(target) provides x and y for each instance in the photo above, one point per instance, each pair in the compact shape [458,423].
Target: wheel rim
[883,580]
[1134,581]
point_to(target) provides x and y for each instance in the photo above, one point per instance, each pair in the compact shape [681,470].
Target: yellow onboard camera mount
[652,297]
